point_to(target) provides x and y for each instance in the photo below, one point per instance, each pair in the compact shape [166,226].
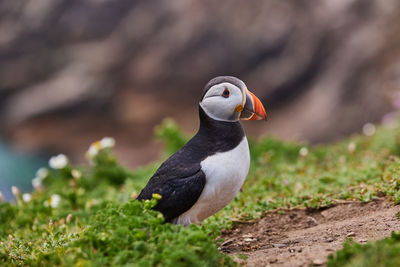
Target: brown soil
[302,237]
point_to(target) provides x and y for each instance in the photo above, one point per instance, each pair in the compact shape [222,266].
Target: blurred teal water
[17,169]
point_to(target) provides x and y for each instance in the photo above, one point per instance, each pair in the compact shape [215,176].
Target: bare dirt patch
[301,237]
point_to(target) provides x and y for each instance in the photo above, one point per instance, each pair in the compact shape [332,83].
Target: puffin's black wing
[177,194]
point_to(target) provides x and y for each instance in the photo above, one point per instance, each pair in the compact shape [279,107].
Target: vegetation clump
[94,222]
[384,252]
[88,216]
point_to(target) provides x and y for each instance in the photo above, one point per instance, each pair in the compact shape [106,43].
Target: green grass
[106,227]
[385,252]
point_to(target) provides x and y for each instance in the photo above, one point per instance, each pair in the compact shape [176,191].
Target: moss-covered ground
[87,215]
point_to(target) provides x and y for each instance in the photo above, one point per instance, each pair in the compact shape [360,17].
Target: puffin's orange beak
[253,108]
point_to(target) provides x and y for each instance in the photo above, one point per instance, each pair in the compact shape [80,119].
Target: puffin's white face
[227,98]
[221,102]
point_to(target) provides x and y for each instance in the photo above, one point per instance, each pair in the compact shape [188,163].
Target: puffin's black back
[180,180]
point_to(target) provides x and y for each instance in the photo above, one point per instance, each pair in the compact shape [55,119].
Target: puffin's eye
[226,93]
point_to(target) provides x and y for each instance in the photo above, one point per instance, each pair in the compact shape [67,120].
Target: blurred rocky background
[72,71]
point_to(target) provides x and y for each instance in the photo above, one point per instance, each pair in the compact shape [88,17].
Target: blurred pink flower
[396,101]
[390,119]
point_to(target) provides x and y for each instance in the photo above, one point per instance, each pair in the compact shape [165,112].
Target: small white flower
[42,173]
[93,150]
[37,183]
[53,201]
[107,142]
[303,151]
[369,129]
[58,162]
[351,147]
[26,197]
[15,190]
[77,174]
[1,197]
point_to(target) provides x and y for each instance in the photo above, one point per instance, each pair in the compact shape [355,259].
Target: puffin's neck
[220,131]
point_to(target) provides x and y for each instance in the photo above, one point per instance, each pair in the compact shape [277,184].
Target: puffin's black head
[226,98]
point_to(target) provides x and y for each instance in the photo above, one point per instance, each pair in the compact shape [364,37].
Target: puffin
[206,174]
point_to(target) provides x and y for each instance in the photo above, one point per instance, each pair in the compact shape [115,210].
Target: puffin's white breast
[225,173]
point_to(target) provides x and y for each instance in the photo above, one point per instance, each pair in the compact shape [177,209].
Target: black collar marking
[213,136]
